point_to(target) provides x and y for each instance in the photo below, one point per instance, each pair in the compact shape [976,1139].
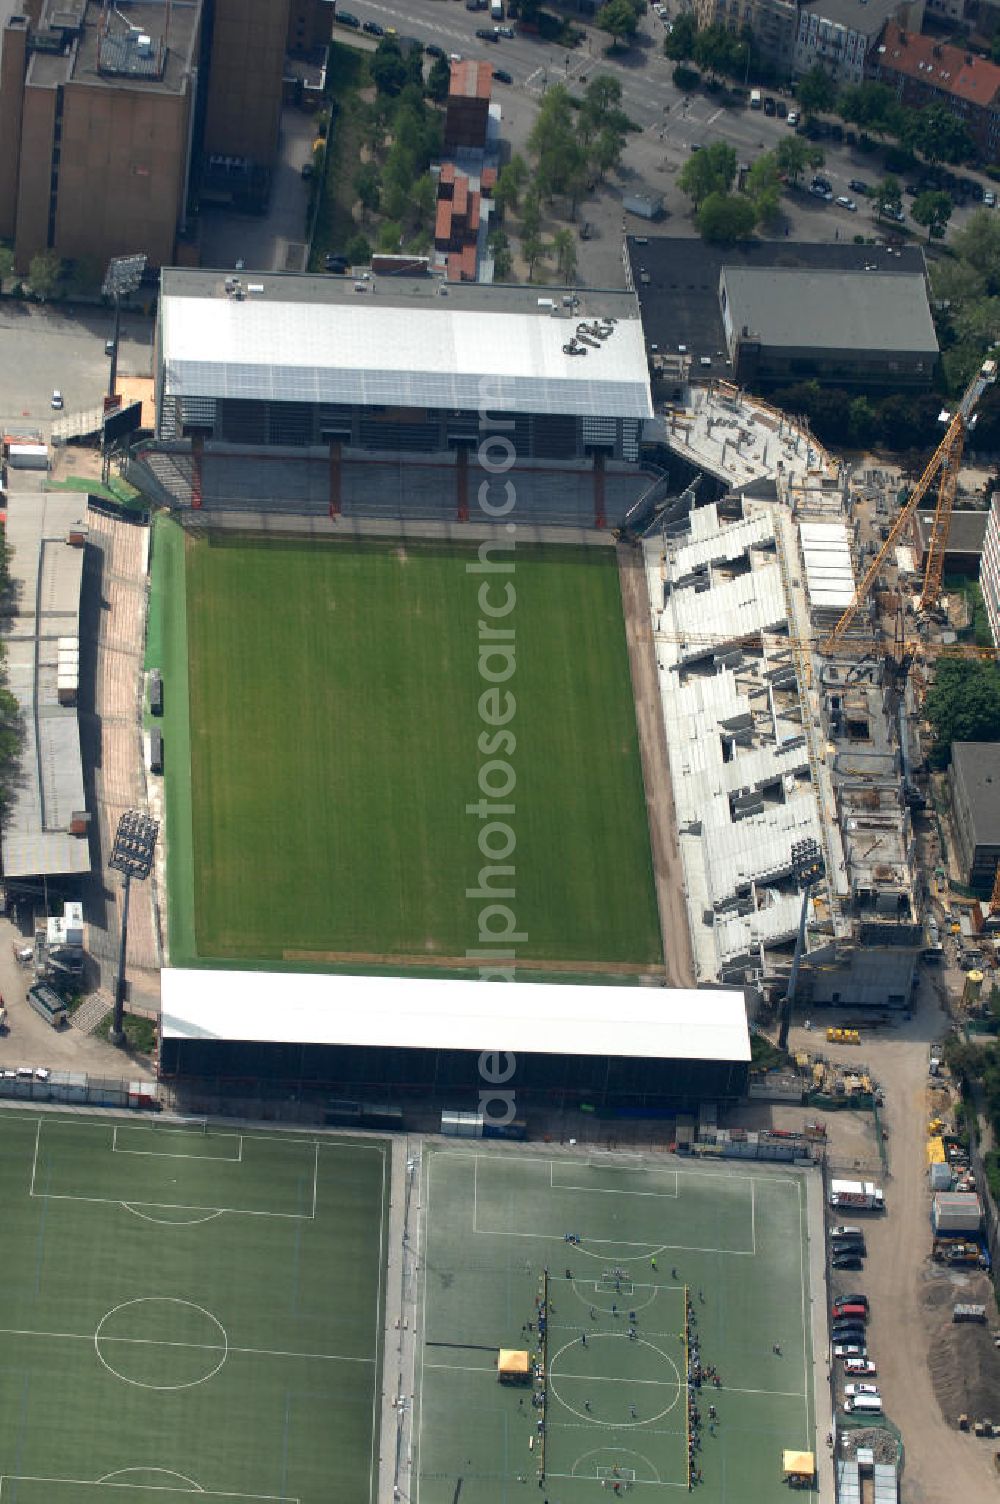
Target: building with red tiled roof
[467,112]
[921,71]
[456,225]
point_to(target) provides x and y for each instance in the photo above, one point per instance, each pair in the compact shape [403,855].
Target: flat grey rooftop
[46,575]
[173,30]
[978,766]
[832,310]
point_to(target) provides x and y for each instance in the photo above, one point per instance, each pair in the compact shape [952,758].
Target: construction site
[792,630]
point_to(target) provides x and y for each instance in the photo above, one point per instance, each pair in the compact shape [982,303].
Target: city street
[671,124]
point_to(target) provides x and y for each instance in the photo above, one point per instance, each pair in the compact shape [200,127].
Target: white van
[864,1404]
[755,99]
[856,1391]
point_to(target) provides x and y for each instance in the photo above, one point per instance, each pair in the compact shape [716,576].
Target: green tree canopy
[510,184]
[44,272]
[726,217]
[816,91]
[503,261]
[679,45]
[963,705]
[619,18]
[710,170]
[564,250]
[933,210]
[7,264]
[438,80]
[888,195]
[367,187]
[937,134]
[793,155]
[873,107]
[388,69]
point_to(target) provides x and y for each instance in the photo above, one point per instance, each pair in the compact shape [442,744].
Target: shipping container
[956,1212]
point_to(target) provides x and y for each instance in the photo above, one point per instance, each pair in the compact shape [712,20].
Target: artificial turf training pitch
[188,1310]
[331,695]
[615,1414]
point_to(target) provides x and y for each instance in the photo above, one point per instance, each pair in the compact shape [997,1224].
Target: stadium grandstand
[46,827]
[365,396]
[421,1041]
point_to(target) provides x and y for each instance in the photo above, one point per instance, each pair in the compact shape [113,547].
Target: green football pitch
[188,1309]
[323,726]
[615,1418]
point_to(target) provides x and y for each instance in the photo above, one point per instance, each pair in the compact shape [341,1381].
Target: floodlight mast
[124,274]
[132,856]
[807,870]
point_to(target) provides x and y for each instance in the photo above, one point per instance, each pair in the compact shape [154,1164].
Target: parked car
[852,1261]
[373,28]
[824,193]
[502,76]
[769,106]
[793,117]
[56,401]
[485,34]
[850,1350]
[109,347]
[856,185]
[847,203]
[845,1231]
[860,1368]
[346,19]
[782,109]
[476,4]
[852,1391]
[990,199]
[586,230]
[505,31]
[433,50]
[854,1300]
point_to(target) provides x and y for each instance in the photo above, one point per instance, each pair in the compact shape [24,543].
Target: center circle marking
[622,1425]
[163,1300]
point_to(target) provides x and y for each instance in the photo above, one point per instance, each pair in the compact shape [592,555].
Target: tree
[358,250]
[606,152]
[816,91]
[564,249]
[439,79]
[686,79]
[388,68]
[44,273]
[7,264]
[933,210]
[367,187]
[531,215]
[937,134]
[763,188]
[873,107]
[390,236]
[978,243]
[602,99]
[679,45]
[888,195]
[423,200]
[533,249]
[619,18]
[963,705]
[710,170]
[510,183]
[503,261]
[725,217]
[793,155]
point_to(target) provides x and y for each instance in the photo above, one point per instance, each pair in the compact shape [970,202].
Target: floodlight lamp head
[806,863]
[134,844]
[123,275]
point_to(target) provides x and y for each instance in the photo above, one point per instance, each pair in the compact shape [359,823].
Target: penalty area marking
[133,1207]
[178,1206]
[222,1159]
[166,1488]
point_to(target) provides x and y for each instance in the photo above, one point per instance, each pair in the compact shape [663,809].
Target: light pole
[123,275]
[132,856]
[807,870]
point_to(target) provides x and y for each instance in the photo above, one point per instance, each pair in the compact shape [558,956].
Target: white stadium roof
[419,1013]
[369,353]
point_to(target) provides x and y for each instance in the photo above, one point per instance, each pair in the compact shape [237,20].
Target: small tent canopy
[798,1464]
[513,1366]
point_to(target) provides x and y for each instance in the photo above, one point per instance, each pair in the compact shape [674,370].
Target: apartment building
[839,35]
[921,71]
[773,23]
[114,119]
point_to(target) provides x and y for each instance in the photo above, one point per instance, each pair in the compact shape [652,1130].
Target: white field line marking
[593,1190]
[589,1378]
[207,1347]
[528,1159]
[34,1167]
[220,1159]
[802,1289]
[264,1138]
[176,1206]
[315,1179]
[160,1488]
[376,1396]
[753,1219]
[638,1483]
[475,1194]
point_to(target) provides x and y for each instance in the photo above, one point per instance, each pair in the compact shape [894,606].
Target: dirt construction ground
[929,1370]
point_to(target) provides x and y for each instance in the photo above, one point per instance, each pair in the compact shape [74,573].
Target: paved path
[401,1336]
[668,872]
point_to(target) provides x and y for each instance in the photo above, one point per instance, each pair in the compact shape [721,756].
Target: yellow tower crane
[945,461]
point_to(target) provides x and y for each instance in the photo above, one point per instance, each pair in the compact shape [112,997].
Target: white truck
[755,99]
[858,1195]
[496,10]
[868,1404]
